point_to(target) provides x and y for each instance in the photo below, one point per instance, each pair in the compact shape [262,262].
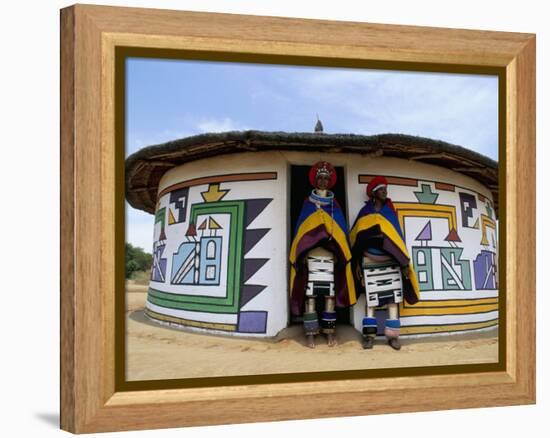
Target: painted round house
[225,206]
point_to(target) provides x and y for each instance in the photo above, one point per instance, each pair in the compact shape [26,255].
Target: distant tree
[137,260]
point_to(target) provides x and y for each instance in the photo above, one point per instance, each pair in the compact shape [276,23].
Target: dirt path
[157,352]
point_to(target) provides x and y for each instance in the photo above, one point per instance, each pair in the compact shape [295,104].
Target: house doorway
[299,190]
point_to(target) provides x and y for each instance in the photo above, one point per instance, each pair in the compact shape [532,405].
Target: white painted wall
[274,246]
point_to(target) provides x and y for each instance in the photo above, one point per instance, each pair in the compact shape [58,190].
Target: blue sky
[169,99]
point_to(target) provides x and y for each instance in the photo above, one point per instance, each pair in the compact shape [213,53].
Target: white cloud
[188,126]
[460,109]
[219,125]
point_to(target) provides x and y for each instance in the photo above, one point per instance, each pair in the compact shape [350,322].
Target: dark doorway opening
[299,190]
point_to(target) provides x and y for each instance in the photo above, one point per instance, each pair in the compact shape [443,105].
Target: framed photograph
[263,218]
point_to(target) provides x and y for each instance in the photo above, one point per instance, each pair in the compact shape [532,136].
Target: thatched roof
[145,168]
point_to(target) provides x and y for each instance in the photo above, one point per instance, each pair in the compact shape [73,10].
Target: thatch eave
[145,168]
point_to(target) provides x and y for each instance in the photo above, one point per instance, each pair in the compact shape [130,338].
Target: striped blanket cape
[381,230]
[321,225]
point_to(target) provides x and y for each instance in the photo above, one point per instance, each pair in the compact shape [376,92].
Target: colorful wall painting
[222,235]
[208,244]
[451,234]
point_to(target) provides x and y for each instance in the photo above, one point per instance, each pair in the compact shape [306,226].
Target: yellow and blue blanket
[381,231]
[326,227]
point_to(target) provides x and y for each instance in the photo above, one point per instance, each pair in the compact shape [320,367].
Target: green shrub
[137,260]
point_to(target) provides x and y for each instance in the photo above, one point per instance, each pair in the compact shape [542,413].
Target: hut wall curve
[219,255]
[222,233]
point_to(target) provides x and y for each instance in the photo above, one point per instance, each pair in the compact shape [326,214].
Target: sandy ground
[157,352]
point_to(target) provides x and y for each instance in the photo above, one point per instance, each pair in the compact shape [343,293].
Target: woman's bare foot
[331,339]
[310,341]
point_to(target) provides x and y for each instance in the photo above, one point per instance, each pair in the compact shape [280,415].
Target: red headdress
[322,167]
[374,184]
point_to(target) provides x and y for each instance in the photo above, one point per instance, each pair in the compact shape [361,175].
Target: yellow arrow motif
[213,193]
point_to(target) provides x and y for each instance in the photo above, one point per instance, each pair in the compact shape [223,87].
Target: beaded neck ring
[320,201]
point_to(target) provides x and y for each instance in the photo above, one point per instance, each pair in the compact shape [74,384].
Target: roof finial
[318,126]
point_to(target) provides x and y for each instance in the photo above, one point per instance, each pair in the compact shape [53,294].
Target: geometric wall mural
[215,267]
[198,260]
[158,270]
[422,263]
[178,205]
[467,205]
[453,273]
[425,195]
[485,270]
[486,224]
[210,266]
[454,258]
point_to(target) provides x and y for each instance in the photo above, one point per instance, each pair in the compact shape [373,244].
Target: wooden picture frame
[91,400]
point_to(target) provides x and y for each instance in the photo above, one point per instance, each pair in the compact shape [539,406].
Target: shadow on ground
[50,418]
